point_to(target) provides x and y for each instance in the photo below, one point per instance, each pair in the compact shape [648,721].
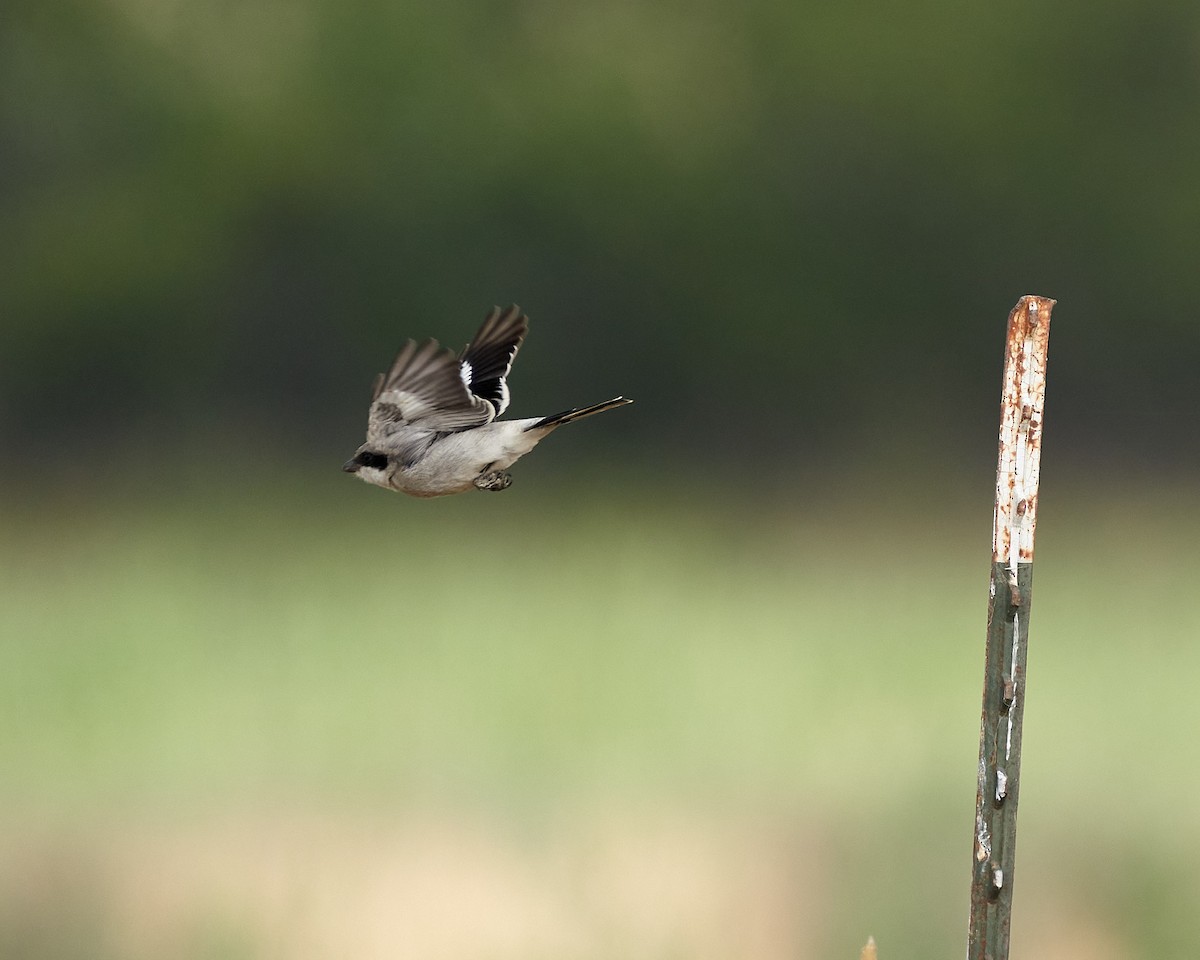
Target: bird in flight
[432,429]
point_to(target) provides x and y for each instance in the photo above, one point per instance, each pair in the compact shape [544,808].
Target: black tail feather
[578,413]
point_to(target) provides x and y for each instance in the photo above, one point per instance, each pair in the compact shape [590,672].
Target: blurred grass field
[580,719]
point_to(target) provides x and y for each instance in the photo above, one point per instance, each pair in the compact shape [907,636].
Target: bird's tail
[578,413]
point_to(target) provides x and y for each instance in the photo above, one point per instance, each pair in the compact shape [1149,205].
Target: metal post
[1009,596]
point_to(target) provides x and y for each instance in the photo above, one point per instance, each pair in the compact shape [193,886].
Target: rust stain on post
[1023,400]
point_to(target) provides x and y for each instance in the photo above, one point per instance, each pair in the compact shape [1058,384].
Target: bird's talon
[493,480]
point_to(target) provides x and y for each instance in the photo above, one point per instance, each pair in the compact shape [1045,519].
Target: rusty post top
[1021,408]
[1029,314]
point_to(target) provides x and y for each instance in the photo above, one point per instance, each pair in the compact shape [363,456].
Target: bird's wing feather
[424,389]
[487,359]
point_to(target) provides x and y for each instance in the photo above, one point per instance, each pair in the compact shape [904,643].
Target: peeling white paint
[1020,432]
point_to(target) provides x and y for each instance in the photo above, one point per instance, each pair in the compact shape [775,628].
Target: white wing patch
[464,371]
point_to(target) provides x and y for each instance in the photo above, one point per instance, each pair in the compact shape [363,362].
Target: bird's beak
[350,466]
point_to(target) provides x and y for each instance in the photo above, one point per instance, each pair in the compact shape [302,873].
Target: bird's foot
[493,480]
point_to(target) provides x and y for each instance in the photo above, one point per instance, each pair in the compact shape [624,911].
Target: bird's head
[369,465]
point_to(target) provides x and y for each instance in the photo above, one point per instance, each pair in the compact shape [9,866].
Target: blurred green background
[705,681]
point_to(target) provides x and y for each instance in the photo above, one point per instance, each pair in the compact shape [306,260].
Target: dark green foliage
[218,212]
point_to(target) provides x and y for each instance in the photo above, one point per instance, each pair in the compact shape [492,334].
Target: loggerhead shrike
[432,428]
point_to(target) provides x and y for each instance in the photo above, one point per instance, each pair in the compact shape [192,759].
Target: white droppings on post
[1001,786]
[983,839]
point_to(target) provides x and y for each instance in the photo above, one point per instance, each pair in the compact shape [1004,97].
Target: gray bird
[432,428]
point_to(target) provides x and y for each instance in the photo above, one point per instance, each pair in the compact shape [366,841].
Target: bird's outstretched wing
[431,389]
[487,359]
[424,389]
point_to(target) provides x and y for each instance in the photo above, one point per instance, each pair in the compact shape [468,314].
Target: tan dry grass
[441,887]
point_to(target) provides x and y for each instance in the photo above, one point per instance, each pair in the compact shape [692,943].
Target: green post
[1009,596]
